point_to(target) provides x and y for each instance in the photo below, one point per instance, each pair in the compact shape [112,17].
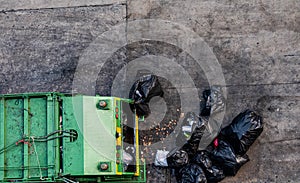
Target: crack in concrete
[291,55]
[66,7]
[281,140]
[264,84]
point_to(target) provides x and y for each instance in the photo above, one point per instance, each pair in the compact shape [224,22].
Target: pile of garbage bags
[224,156]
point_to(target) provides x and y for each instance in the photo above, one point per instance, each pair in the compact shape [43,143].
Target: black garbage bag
[213,101]
[224,156]
[243,131]
[212,172]
[205,105]
[180,156]
[190,123]
[141,93]
[192,145]
[191,173]
[177,158]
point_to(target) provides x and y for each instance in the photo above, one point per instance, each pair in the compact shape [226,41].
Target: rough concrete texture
[40,49]
[44,4]
[257,43]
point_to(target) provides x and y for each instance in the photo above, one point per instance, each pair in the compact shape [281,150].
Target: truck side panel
[24,121]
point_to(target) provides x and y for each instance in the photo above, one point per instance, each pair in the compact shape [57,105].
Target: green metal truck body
[54,137]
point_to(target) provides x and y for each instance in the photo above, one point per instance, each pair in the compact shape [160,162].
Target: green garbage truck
[56,137]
